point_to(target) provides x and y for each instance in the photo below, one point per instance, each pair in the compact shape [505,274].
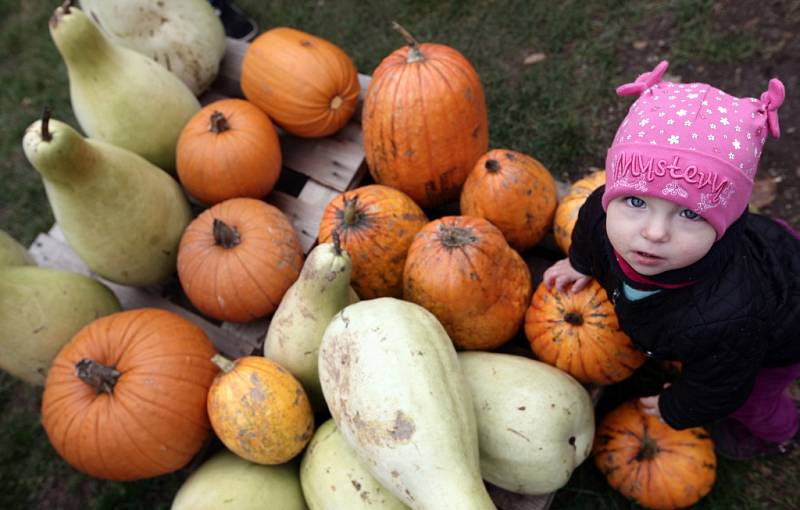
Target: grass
[560,110]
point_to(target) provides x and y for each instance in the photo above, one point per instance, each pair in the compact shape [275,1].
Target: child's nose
[656,230]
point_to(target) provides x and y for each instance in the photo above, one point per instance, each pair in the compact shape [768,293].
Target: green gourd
[118,95]
[296,328]
[41,309]
[122,215]
[12,253]
[226,481]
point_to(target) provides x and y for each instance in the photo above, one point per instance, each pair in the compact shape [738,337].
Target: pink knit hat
[692,144]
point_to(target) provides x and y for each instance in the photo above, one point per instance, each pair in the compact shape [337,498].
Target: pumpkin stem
[67,5]
[351,214]
[337,245]
[101,377]
[492,165]
[648,450]
[573,318]
[224,235]
[46,135]
[223,363]
[456,237]
[218,123]
[414,54]
[336,103]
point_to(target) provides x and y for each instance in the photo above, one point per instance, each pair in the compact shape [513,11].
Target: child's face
[654,235]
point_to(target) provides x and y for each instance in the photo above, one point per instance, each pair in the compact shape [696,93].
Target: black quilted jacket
[743,315]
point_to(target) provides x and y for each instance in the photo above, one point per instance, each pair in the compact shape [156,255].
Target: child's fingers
[580,284]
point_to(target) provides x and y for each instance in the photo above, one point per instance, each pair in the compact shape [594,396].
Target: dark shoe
[238,25]
[734,441]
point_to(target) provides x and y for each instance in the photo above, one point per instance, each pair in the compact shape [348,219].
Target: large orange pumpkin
[461,269]
[376,225]
[238,258]
[425,122]
[569,205]
[259,410]
[125,398]
[578,332]
[228,149]
[514,192]
[651,463]
[306,84]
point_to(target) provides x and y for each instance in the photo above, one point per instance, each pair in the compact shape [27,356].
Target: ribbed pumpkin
[569,205]
[376,225]
[237,259]
[307,85]
[578,332]
[425,122]
[651,463]
[259,410]
[515,193]
[228,149]
[126,398]
[461,269]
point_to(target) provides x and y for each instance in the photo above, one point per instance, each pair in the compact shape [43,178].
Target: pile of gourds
[421,409]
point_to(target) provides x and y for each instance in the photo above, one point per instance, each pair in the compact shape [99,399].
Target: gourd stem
[224,235]
[223,363]
[46,135]
[414,54]
[351,215]
[218,123]
[573,318]
[337,245]
[67,5]
[452,236]
[492,165]
[648,450]
[101,377]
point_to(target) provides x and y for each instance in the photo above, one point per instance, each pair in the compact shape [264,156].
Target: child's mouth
[646,259]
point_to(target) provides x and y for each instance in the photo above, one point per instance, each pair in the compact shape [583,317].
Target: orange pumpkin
[238,258]
[514,192]
[651,463]
[461,269]
[228,149]
[125,398]
[259,410]
[578,332]
[376,225]
[567,210]
[425,122]
[306,84]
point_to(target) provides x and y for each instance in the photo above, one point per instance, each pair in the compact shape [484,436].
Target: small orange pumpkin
[306,84]
[238,258]
[125,398]
[514,192]
[259,410]
[425,122]
[567,210]
[376,225]
[462,270]
[651,463]
[578,332]
[228,149]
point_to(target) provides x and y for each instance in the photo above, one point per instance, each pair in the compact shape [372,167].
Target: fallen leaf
[534,58]
[639,45]
[764,191]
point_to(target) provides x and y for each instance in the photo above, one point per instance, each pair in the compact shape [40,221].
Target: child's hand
[650,406]
[562,274]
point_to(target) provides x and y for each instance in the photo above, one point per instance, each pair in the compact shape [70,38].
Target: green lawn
[561,110]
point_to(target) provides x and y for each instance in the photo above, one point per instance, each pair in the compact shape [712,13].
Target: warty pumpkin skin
[307,85]
[228,149]
[578,332]
[513,191]
[567,211]
[135,408]
[461,269]
[259,410]
[238,258]
[651,463]
[376,225]
[425,122]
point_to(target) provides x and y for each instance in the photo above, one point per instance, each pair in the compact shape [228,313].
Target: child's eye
[690,215]
[635,202]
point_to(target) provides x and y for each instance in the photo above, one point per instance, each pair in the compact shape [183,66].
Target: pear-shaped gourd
[296,328]
[123,216]
[12,253]
[41,309]
[332,477]
[226,481]
[118,95]
[184,36]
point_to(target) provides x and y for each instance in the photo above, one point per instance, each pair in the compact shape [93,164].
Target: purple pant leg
[769,413]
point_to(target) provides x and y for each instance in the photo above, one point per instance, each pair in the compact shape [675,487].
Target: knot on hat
[644,81]
[771,100]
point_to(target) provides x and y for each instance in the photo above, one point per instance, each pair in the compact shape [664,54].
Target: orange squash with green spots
[651,463]
[579,333]
[259,410]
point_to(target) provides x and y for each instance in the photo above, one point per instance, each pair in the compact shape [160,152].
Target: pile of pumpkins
[388,326]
